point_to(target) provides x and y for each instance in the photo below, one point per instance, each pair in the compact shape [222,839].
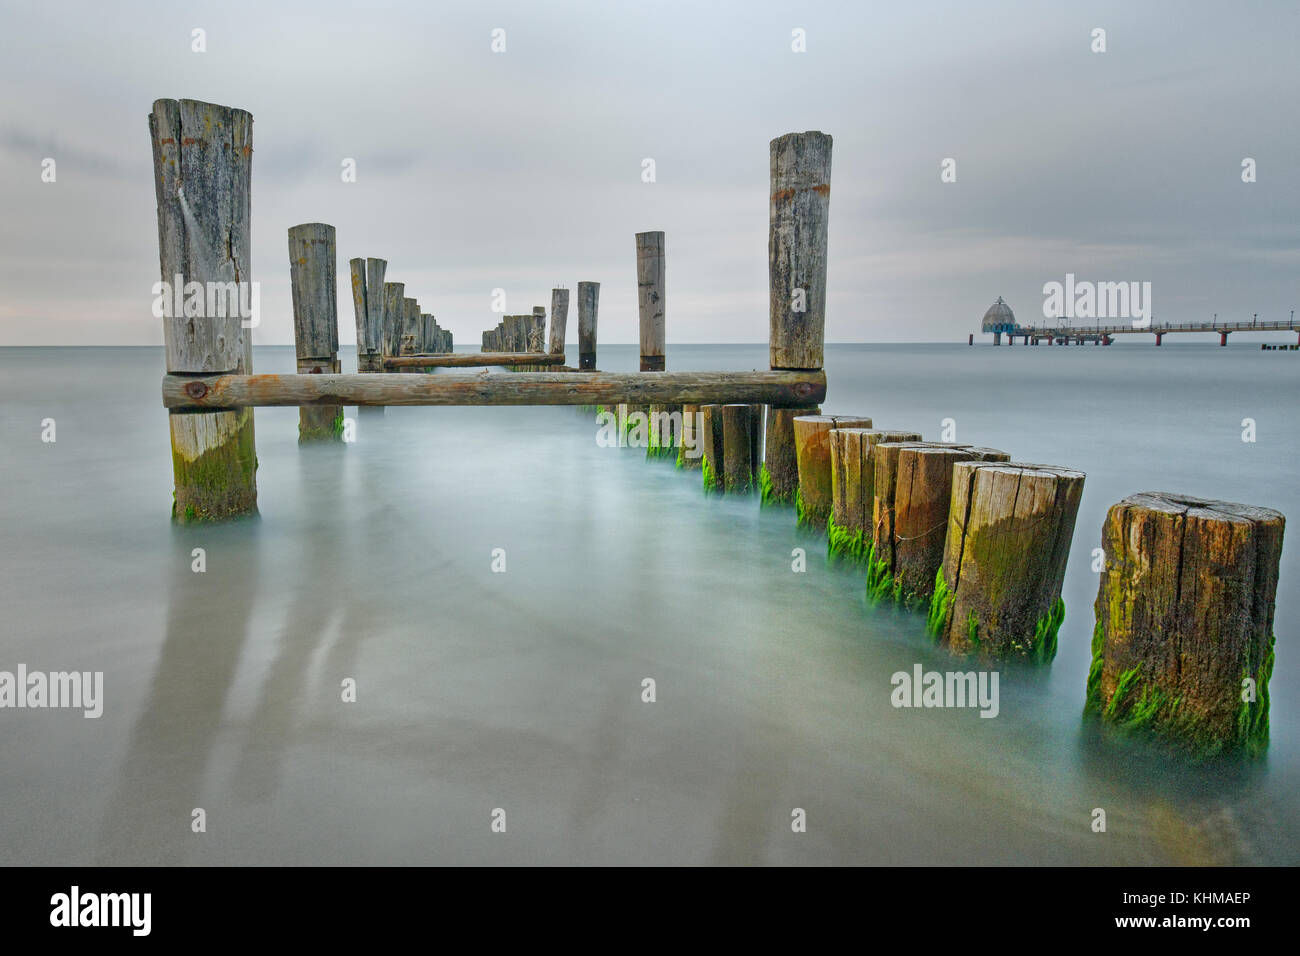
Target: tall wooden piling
[202,160]
[313,283]
[394,312]
[814,497]
[559,320]
[537,331]
[1183,645]
[410,326]
[588,309]
[798,211]
[848,531]
[650,276]
[688,448]
[739,449]
[1009,530]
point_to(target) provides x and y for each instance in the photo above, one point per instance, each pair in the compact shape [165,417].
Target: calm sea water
[522,691]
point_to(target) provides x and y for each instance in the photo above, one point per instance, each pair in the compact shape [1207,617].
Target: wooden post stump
[812,441]
[559,320]
[711,444]
[740,435]
[588,308]
[202,160]
[848,531]
[1183,646]
[1009,529]
[410,326]
[779,475]
[666,423]
[313,285]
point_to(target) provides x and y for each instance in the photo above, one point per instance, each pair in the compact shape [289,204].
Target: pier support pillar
[1159,337]
[1223,338]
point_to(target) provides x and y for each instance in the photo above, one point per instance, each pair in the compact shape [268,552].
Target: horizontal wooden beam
[473,359]
[781,389]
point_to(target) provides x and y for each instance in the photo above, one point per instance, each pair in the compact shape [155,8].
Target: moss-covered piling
[1183,647]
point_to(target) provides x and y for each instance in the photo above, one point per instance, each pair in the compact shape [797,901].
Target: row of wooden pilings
[1183,641]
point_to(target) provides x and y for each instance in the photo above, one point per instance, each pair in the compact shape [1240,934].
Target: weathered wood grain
[544,388]
[559,320]
[814,497]
[853,488]
[1183,647]
[313,285]
[202,162]
[471,360]
[798,215]
[650,283]
[588,309]
[1009,530]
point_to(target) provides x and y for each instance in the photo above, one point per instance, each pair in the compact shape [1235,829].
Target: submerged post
[202,161]
[313,284]
[559,320]
[798,211]
[588,306]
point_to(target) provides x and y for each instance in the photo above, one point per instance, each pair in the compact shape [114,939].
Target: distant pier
[1000,321]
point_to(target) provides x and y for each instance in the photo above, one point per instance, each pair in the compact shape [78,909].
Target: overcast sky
[522,169]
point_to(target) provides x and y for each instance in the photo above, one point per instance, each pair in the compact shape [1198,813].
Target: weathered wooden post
[1009,531]
[712,445]
[688,448]
[848,531]
[411,325]
[368,306]
[559,320]
[1183,647]
[650,274]
[537,334]
[739,452]
[202,159]
[313,282]
[814,497]
[922,493]
[798,214]
[394,311]
[588,307]
[887,457]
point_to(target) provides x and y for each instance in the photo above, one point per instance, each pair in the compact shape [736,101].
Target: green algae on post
[1184,647]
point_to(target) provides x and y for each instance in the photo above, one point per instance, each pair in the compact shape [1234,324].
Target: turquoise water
[523,690]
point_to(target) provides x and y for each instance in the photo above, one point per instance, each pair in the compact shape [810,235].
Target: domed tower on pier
[998,319]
